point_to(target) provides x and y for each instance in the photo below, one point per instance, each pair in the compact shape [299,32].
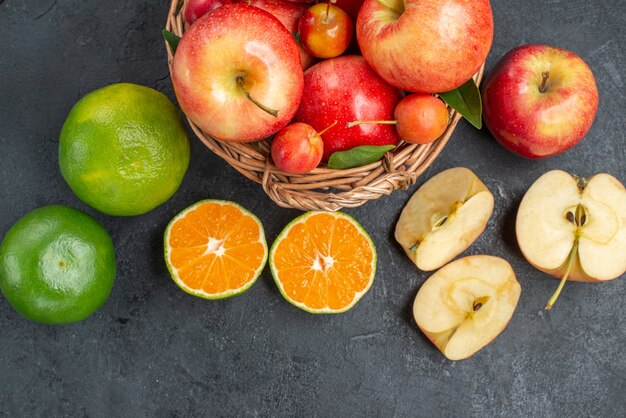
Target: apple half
[573,228]
[466,304]
[444,217]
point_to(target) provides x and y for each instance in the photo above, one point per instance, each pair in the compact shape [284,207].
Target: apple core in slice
[466,304]
[444,217]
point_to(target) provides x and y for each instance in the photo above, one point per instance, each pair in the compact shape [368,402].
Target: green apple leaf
[172,39]
[358,156]
[466,100]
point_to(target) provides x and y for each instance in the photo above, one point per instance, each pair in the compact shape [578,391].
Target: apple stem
[439,223]
[579,219]
[242,86]
[582,182]
[326,128]
[371,122]
[327,11]
[572,257]
[389,6]
[545,75]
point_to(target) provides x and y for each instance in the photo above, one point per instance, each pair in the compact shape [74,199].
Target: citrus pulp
[215,249]
[323,262]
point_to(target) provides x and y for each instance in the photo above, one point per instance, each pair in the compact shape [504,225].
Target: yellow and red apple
[425,46]
[195,9]
[237,74]
[539,100]
[289,14]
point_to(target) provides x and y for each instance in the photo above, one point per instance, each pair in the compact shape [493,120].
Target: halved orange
[323,262]
[215,249]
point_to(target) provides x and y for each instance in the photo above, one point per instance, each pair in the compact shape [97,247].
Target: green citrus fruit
[57,265]
[124,149]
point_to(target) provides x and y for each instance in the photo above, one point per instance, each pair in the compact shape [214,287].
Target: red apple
[427,46]
[346,89]
[237,73]
[351,7]
[297,148]
[289,15]
[539,100]
[198,8]
[325,30]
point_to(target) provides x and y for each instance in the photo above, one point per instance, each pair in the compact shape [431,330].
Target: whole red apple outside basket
[322,188]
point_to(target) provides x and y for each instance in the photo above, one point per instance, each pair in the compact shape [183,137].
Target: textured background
[154,350]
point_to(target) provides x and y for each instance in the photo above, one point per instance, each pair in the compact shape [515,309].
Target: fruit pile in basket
[292,73]
[336,83]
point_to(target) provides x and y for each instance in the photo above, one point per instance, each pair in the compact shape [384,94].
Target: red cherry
[325,30]
[420,118]
[297,148]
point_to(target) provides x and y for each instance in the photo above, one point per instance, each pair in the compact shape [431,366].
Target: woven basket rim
[323,188]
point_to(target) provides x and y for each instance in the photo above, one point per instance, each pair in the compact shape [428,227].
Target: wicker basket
[322,188]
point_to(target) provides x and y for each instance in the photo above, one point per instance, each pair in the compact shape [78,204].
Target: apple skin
[195,9]
[434,46]
[345,89]
[234,42]
[297,148]
[534,124]
[351,7]
[289,15]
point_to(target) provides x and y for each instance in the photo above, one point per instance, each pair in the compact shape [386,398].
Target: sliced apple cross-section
[465,305]
[444,217]
[574,229]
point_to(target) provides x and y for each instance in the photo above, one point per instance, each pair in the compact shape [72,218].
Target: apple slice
[465,305]
[574,229]
[444,217]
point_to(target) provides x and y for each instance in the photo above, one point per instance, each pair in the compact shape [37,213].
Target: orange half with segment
[323,262]
[215,249]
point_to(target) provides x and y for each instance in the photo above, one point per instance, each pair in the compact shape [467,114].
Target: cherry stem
[242,85]
[389,6]
[326,128]
[545,75]
[327,11]
[371,122]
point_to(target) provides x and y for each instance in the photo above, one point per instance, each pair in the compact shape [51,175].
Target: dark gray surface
[154,350]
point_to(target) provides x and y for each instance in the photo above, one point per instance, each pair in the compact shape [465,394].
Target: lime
[57,265]
[124,149]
